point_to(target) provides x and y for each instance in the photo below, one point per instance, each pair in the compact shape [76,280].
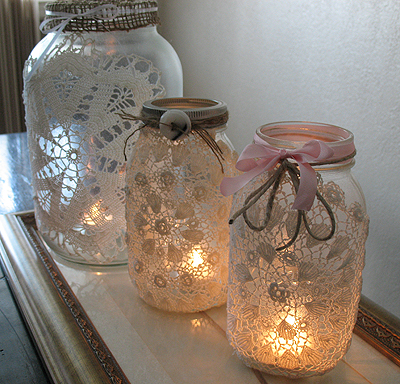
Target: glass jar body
[76,136]
[177,221]
[292,307]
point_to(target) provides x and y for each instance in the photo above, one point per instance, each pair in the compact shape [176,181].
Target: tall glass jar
[295,274]
[98,60]
[177,220]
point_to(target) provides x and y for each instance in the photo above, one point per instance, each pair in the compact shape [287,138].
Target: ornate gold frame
[379,328]
[72,349]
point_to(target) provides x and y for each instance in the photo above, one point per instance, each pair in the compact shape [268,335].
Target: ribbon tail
[307,188]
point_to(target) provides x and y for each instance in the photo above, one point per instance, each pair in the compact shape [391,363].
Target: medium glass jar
[295,274]
[177,220]
[98,60]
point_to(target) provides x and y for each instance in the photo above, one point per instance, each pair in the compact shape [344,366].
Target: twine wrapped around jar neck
[95,16]
[199,127]
[130,15]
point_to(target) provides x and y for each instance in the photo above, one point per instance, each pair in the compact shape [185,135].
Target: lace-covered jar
[177,220]
[99,59]
[295,274]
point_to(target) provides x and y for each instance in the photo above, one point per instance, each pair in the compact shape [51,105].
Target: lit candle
[195,258]
[287,336]
[196,264]
[96,215]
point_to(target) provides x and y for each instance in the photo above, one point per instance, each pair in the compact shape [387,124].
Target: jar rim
[294,134]
[132,14]
[195,108]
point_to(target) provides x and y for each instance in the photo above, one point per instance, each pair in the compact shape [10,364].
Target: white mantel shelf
[91,327]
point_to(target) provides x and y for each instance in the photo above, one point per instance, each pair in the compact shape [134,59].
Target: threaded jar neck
[206,113]
[120,16]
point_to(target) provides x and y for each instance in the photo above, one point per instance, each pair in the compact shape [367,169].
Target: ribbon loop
[261,157]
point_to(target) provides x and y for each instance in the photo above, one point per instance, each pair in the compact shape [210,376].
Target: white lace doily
[76,140]
[177,222]
[292,312]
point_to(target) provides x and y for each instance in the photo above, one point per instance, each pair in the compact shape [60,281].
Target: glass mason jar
[78,80]
[177,220]
[295,275]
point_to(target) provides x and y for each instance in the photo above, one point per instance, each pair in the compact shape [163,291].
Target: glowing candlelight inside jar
[288,335]
[96,215]
[195,264]
[177,219]
[294,284]
[195,258]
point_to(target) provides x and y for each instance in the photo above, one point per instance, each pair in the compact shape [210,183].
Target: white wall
[331,61]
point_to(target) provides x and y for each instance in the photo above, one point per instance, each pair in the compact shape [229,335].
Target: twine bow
[102,12]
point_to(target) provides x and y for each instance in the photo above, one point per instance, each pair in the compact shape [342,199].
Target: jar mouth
[202,113]
[195,108]
[100,15]
[294,134]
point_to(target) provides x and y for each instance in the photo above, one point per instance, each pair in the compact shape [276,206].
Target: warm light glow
[290,319]
[195,258]
[288,335]
[195,264]
[96,215]
[111,43]
[196,323]
[296,345]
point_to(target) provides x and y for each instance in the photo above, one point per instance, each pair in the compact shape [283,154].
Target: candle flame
[196,264]
[96,215]
[195,258]
[288,335]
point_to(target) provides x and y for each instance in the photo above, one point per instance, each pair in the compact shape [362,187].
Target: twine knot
[104,12]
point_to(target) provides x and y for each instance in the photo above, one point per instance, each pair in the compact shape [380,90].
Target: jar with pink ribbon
[297,246]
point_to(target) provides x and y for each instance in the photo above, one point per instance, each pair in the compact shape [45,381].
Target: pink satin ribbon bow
[268,157]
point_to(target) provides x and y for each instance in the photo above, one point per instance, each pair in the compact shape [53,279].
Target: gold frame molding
[72,349]
[379,328]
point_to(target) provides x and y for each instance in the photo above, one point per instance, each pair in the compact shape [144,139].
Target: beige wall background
[331,61]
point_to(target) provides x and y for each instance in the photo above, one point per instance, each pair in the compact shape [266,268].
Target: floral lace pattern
[177,222]
[292,312]
[76,142]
